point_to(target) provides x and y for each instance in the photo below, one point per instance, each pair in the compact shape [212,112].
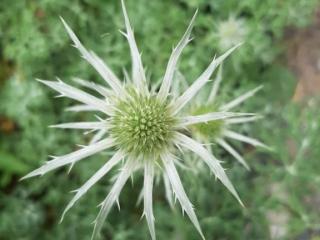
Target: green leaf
[10,164]
[279,83]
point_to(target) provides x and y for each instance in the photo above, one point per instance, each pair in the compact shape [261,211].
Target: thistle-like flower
[231,32]
[217,132]
[142,124]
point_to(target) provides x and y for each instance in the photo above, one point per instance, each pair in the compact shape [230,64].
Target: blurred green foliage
[33,44]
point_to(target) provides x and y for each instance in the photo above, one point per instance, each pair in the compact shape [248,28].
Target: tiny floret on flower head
[145,129]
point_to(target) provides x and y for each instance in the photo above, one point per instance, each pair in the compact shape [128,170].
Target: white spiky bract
[144,128]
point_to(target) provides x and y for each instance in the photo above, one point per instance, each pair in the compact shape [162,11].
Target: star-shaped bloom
[142,124]
[219,132]
[231,31]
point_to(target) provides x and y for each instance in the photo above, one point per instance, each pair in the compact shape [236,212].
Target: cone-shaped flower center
[142,124]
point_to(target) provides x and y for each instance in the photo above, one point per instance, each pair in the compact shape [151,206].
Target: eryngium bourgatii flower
[144,127]
[219,131]
[230,32]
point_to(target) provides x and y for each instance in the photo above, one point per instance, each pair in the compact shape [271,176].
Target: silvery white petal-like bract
[246,139]
[240,99]
[81,125]
[95,61]
[71,158]
[242,119]
[113,196]
[233,152]
[76,94]
[201,81]
[171,68]
[209,159]
[147,197]
[174,179]
[204,118]
[117,157]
